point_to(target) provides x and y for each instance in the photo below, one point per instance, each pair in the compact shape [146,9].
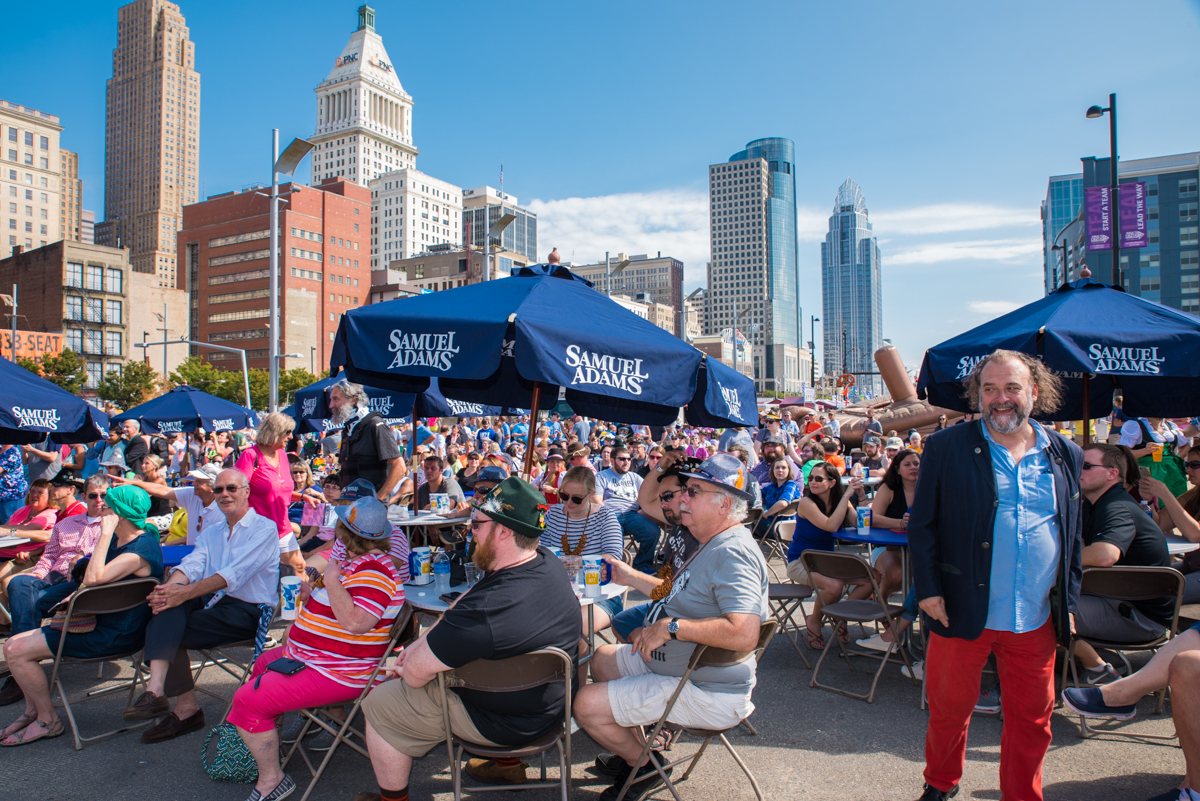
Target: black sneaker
[1089,702]
[934,794]
[644,781]
[11,692]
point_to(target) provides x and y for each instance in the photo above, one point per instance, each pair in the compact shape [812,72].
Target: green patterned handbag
[231,759]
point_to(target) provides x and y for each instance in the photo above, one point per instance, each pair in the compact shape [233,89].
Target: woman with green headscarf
[130,549]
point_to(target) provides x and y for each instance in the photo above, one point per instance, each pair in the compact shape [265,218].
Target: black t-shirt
[1116,518]
[511,612]
[680,545]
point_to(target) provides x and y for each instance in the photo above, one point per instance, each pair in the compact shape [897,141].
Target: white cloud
[951,217]
[976,250]
[992,307]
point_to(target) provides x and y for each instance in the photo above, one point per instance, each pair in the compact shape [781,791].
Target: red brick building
[324,260]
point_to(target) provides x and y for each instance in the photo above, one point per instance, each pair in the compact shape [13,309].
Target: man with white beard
[995,538]
[368,449]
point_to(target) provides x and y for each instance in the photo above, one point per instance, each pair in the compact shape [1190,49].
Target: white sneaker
[875,643]
[917,672]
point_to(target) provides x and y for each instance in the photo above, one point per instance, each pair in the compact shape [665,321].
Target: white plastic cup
[289,597]
[864,521]
[592,566]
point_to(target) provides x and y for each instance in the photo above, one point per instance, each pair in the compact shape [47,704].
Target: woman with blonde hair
[271,488]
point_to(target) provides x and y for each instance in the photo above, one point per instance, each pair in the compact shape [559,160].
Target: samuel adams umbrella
[187,409]
[724,397]
[312,402]
[1098,338]
[31,407]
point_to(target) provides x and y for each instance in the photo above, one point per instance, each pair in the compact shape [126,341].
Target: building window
[112,343]
[246,314]
[73,339]
[1187,187]
[95,278]
[1189,235]
[92,343]
[1150,284]
[114,312]
[74,275]
[116,281]
[229,278]
[1187,212]
[93,374]
[1189,259]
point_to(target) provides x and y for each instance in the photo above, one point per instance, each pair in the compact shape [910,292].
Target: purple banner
[1098,213]
[1131,199]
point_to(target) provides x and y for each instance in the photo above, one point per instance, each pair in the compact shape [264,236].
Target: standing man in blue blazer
[995,540]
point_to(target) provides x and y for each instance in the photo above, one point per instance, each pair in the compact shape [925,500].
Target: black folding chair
[104,599]
[1127,584]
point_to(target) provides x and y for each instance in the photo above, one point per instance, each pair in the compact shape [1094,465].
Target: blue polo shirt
[1025,539]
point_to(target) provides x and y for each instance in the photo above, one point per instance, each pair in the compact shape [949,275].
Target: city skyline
[964,127]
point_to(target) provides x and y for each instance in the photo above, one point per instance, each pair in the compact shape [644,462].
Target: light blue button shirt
[1025,539]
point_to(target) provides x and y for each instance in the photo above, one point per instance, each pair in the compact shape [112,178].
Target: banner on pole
[1097,204]
[1131,199]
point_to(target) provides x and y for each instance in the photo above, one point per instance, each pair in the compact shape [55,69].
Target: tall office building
[364,116]
[70,201]
[483,207]
[30,178]
[410,213]
[645,279]
[851,290]
[752,278]
[152,134]
[1167,269]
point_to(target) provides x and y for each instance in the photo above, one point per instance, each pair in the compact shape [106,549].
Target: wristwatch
[673,628]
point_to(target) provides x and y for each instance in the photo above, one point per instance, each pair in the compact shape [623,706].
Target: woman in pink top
[271,487]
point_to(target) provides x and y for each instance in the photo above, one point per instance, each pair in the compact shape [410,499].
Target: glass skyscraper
[752,280]
[851,290]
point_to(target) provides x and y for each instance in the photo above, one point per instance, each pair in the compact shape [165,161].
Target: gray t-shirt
[742,437]
[728,576]
[619,492]
[449,487]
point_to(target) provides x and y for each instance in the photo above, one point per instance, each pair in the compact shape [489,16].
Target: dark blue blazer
[952,520]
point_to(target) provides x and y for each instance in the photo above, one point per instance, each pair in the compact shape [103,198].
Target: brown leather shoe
[147,707]
[171,727]
[488,772]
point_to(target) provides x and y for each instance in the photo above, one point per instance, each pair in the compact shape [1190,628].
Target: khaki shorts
[797,573]
[409,719]
[639,698]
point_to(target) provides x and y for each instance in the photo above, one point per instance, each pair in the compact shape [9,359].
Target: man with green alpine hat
[524,603]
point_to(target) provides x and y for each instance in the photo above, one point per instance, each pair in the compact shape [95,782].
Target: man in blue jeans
[618,488]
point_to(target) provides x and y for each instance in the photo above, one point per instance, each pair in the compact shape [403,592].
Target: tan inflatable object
[899,410]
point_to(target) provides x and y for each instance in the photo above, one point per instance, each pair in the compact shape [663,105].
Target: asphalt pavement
[811,744]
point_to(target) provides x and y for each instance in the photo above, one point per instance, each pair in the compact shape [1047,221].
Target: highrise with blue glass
[851,290]
[752,279]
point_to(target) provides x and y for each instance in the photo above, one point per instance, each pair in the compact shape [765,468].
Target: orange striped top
[318,640]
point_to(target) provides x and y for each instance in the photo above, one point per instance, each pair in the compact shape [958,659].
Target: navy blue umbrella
[312,402]
[186,408]
[32,407]
[724,397]
[495,342]
[1098,338]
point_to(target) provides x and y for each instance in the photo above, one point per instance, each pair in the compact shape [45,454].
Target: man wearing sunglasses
[219,594]
[32,594]
[197,500]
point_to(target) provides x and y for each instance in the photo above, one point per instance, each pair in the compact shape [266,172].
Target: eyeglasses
[694,492]
[668,496]
[299,473]
[475,524]
[575,499]
[620,458]
[229,488]
[1090,466]
[94,496]
[1192,465]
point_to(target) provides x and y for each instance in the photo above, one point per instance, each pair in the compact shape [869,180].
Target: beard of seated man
[484,555]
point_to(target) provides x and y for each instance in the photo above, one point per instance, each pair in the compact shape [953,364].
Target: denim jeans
[31,598]
[645,533]
[8,507]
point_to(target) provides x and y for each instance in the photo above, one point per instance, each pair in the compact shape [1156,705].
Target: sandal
[21,723]
[55,729]
[843,634]
[816,642]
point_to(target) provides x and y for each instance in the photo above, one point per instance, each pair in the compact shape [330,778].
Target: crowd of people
[677,513]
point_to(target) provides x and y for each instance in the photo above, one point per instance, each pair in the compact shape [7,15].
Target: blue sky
[949,115]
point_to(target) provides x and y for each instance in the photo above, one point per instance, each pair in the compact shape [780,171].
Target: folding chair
[702,656]
[404,631]
[851,567]
[771,536]
[104,599]
[1127,584]
[221,657]
[787,598]
[752,518]
[524,672]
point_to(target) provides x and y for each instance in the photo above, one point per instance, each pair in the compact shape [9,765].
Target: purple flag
[1098,212]
[1132,200]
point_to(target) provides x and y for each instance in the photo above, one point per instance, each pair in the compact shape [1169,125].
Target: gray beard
[343,414]
[1019,416]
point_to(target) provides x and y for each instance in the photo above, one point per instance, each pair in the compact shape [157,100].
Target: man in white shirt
[197,500]
[617,487]
[221,593]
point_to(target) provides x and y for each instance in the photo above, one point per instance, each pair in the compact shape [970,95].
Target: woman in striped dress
[581,526]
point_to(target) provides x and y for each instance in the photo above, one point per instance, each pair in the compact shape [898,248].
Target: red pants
[1025,663]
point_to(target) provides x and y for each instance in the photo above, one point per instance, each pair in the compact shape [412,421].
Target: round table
[881,537]
[870,482]
[1177,544]
[427,519]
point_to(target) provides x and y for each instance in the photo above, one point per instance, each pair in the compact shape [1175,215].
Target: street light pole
[225,348]
[1094,113]
[273,335]
[812,344]
[312,365]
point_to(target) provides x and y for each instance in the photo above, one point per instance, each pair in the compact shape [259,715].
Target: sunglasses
[620,458]
[668,496]
[1090,466]
[575,499]
[655,456]
[1192,465]
[818,479]
[229,488]
[696,492]
[94,496]
[476,524]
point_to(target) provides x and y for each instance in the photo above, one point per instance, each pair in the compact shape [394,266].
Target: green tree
[198,373]
[67,369]
[29,364]
[133,385]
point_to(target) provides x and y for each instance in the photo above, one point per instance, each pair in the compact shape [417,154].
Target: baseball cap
[491,473]
[366,517]
[871,441]
[208,472]
[894,442]
[726,471]
[359,488]
[773,439]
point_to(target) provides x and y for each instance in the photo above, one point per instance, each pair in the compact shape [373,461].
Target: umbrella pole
[529,435]
[1087,415]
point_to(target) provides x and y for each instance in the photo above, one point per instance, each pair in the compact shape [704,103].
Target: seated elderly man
[224,591]
[1116,532]
[523,603]
[718,598]
[31,595]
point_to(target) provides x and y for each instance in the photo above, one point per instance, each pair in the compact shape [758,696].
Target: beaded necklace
[566,546]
